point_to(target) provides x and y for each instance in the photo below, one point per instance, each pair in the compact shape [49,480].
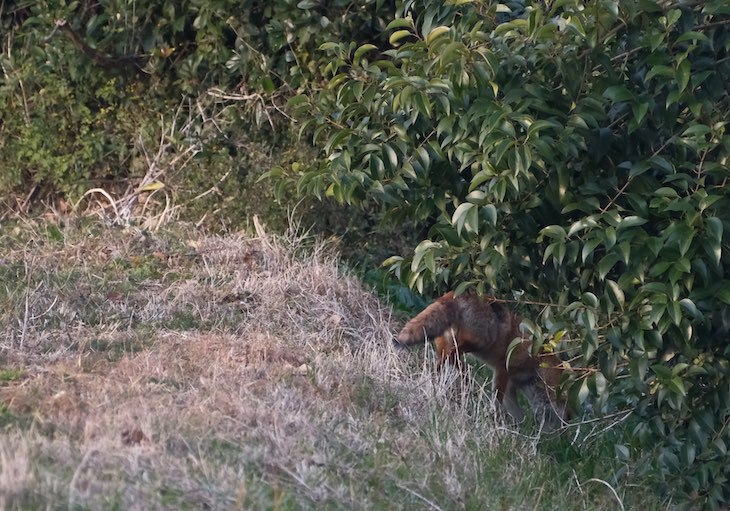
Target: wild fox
[470,324]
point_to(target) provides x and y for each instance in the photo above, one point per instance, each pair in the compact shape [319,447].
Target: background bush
[87,104]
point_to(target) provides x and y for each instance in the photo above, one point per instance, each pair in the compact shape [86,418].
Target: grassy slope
[180,371]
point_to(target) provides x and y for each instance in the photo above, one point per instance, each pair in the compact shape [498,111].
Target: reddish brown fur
[485,327]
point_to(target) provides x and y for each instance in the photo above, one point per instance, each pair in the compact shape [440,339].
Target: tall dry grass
[183,371]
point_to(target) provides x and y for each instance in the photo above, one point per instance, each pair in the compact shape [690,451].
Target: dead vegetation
[181,371]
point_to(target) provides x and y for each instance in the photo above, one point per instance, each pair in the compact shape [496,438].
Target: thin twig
[712,24]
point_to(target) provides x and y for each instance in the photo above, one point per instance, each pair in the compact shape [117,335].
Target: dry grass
[183,371]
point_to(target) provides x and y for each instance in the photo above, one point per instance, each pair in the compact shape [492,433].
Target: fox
[485,327]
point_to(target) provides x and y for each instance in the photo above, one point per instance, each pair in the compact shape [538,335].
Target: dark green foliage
[569,152]
[84,101]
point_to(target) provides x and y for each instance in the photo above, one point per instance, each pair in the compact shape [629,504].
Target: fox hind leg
[510,403]
[548,411]
[506,392]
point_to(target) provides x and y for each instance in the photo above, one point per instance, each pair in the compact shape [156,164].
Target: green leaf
[606,263]
[673,98]
[618,93]
[666,192]
[616,293]
[656,39]
[609,235]
[639,110]
[400,23]
[683,73]
[639,168]
[542,125]
[268,84]
[723,292]
[622,452]
[490,211]
[588,248]
[481,177]
[708,201]
[553,232]
[661,70]
[396,36]
[296,101]
[689,306]
[392,261]
[476,197]
[424,105]
[696,130]
[714,228]
[719,445]
[418,254]
[459,218]
[362,50]
[584,391]
[516,25]
[677,385]
[436,33]
[695,37]
[589,299]
[672,16]
[684,239]
[390,156]
[581,225]
[464,286]
[424,157]
[663,372]
[472,219]
[631,221]
[675,312]
[688,453]
[660,268]
[662,163]
[669,460]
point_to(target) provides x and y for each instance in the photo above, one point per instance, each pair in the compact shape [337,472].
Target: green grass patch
[139,268]
[10,374]
[7,418]
[114,348]
[184,320]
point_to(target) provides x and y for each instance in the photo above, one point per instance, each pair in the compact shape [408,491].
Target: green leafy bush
[84,101]
[570,152]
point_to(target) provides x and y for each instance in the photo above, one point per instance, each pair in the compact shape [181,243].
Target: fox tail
[432,321]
